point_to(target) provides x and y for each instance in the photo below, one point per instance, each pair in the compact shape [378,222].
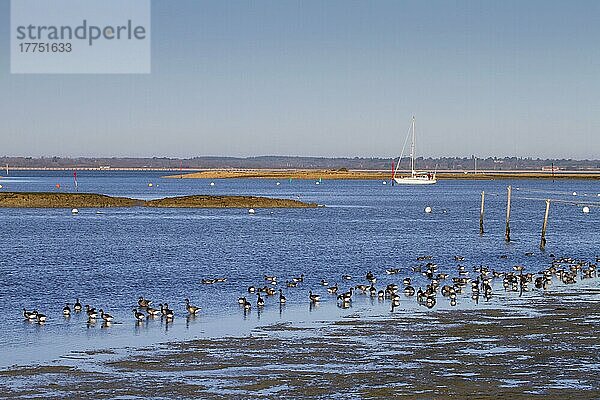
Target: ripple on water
[509,383]
[492,351]
[451,339]
[565,383]
[437,361]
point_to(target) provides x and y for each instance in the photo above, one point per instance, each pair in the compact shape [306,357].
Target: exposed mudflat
[546,347]
[92,200]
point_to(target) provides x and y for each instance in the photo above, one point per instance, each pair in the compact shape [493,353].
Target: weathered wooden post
[507,235]
[481,213]
[544,226]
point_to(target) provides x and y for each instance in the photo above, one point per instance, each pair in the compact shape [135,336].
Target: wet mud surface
[540,347]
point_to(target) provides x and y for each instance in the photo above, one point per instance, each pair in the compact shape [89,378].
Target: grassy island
[92,200]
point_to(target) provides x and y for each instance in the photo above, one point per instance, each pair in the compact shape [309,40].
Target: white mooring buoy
[586,210]
[251,211]
[428,210]
[74,211]
[212,184]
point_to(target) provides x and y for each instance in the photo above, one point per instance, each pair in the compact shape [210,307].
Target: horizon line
[472,156]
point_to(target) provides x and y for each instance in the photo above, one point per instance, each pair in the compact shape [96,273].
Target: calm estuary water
[109,259]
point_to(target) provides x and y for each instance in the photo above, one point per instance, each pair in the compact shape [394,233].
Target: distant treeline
[271,162]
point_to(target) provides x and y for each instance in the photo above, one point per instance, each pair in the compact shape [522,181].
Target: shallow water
[404,353]
[108,260]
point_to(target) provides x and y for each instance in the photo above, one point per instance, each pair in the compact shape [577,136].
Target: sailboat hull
[415,181]
[416,177]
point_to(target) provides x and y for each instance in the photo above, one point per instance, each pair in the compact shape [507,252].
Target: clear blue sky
[328,78]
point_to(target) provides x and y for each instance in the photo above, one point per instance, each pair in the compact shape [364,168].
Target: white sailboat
[416,177]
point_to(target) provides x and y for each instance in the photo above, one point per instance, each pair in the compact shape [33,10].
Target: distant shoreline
[382,164]
[378,175]
[92,200]
[333,174]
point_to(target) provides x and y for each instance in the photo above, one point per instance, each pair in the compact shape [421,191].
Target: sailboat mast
[412,148]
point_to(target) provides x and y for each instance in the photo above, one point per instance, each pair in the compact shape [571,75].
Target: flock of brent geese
[480,280]
[144,311]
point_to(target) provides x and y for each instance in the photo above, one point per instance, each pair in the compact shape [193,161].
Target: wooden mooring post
[544,226]
[481,213]
[507,234]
